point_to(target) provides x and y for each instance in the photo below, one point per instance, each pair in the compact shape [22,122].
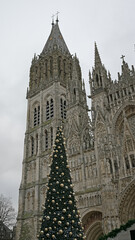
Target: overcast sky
[24,28]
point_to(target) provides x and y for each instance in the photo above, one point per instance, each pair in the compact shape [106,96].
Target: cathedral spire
[55,40]
[97,57]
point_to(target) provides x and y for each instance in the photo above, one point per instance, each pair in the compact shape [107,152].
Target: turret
[99,78]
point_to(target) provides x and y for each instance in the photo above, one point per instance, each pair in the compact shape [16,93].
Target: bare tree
[7,212]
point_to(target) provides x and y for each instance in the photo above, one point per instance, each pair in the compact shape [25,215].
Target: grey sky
[24,28]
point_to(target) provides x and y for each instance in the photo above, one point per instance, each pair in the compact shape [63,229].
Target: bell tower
[55,94]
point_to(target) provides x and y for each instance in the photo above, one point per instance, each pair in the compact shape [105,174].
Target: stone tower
[101,150]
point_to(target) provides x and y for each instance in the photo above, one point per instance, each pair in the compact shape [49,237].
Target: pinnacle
[97,57]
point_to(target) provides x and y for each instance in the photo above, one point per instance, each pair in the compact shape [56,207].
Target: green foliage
[60,217]
[114,232]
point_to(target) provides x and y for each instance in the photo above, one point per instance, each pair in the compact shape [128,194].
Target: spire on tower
[97,57]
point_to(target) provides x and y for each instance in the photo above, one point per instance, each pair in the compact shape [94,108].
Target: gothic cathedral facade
[101,148]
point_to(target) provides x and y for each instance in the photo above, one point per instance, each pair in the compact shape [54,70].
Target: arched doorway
[92,223]
[127,204]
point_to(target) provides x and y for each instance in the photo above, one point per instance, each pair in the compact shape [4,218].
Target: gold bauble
[53,236]
[55,155]
[42,232]
[59,147]
[60,231]
[46,229]
[55,219]
[47,217]
[54,190]
[62,185]
[73,211]
[61,156]
[59,222]
[67,223]
[40,219]
[69,215]
[53,201]
[70,233]
[56,150]
[64,210]
[50,228]
[73,221]
[57,140]
[70,202]
[62,173]
[57,167]
[80,235]
[47,234]
[62,218]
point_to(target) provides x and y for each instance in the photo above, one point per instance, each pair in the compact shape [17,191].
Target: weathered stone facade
[101,150]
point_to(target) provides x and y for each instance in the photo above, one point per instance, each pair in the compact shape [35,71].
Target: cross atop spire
[57,20]
[122,57]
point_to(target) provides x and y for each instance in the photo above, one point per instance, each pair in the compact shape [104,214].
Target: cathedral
[100,139]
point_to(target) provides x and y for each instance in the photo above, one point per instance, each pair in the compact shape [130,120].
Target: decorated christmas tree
[60,216]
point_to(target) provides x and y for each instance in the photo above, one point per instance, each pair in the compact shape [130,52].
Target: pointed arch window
[36,143]
[132,157]
[51,136]
[49,109]
[127,162]
[32,146]
[36,115]
[63,108]
[46,139]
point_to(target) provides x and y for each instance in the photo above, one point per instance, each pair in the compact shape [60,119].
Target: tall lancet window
[36,143]
[47,110]
[46,139]
[32,146]
[63,108]
[51,108]
[51,136]
[35,117]
[38,115]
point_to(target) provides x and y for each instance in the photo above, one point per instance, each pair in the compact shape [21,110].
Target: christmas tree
[60,217]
